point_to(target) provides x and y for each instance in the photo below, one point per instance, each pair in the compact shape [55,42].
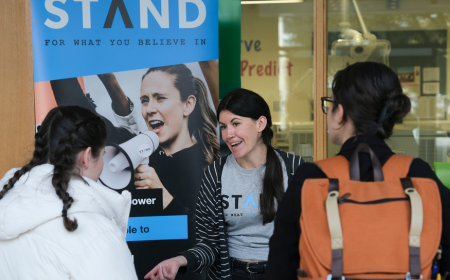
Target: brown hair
[372,96]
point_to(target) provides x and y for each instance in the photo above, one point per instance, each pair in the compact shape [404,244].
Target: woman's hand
[166,270]
[146,178]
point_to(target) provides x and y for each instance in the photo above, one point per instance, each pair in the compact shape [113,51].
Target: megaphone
[120,161]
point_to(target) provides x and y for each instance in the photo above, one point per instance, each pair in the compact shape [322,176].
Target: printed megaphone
[120,161]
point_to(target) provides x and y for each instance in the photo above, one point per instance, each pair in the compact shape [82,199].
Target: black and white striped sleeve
[206,252]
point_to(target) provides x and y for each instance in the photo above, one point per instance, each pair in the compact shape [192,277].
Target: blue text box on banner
[71,38]
[157,228]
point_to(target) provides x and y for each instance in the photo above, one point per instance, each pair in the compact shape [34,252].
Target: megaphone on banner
[120,161]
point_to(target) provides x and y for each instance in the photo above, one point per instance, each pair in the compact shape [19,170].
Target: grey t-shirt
[241,190]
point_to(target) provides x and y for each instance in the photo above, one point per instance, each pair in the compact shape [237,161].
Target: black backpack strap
[222,162]
[292,162]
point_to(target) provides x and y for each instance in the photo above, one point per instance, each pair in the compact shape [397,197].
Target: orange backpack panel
[375,222]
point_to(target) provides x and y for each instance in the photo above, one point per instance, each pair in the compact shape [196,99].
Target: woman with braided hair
[56,221]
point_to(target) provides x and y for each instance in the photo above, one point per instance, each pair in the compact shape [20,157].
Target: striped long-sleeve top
[211,251]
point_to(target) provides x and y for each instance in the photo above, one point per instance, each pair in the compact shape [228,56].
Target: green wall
[229,46]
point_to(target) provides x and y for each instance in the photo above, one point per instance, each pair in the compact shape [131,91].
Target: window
[277,63]
[411,37]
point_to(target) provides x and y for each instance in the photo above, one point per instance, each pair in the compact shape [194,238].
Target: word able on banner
[157,228]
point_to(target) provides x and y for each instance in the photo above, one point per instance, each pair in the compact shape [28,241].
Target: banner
[149,69]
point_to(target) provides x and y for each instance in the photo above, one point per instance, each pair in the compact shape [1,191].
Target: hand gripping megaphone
[120,161]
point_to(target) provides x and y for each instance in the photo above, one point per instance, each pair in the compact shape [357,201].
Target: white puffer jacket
[34,244]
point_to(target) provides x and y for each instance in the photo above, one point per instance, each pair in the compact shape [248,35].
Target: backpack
[386,229]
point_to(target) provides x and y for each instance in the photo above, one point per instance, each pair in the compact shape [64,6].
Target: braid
[10,184]
[40,155]
[63,158]
[77,130]
[60,181]
[65,132]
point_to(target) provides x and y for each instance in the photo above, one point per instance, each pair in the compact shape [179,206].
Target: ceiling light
[270,2]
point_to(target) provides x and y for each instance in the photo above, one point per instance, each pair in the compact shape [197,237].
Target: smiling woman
[233,238]
[242,135]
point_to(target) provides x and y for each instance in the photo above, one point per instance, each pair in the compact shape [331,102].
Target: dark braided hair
[246,103]
[64,133]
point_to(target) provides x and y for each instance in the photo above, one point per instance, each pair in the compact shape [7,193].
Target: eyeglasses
[326,103]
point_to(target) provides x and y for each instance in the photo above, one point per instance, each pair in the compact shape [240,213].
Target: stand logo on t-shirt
[238,206]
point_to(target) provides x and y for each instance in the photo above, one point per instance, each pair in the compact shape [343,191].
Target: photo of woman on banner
[175,106]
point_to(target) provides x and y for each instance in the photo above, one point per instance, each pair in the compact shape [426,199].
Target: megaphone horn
[120,161]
